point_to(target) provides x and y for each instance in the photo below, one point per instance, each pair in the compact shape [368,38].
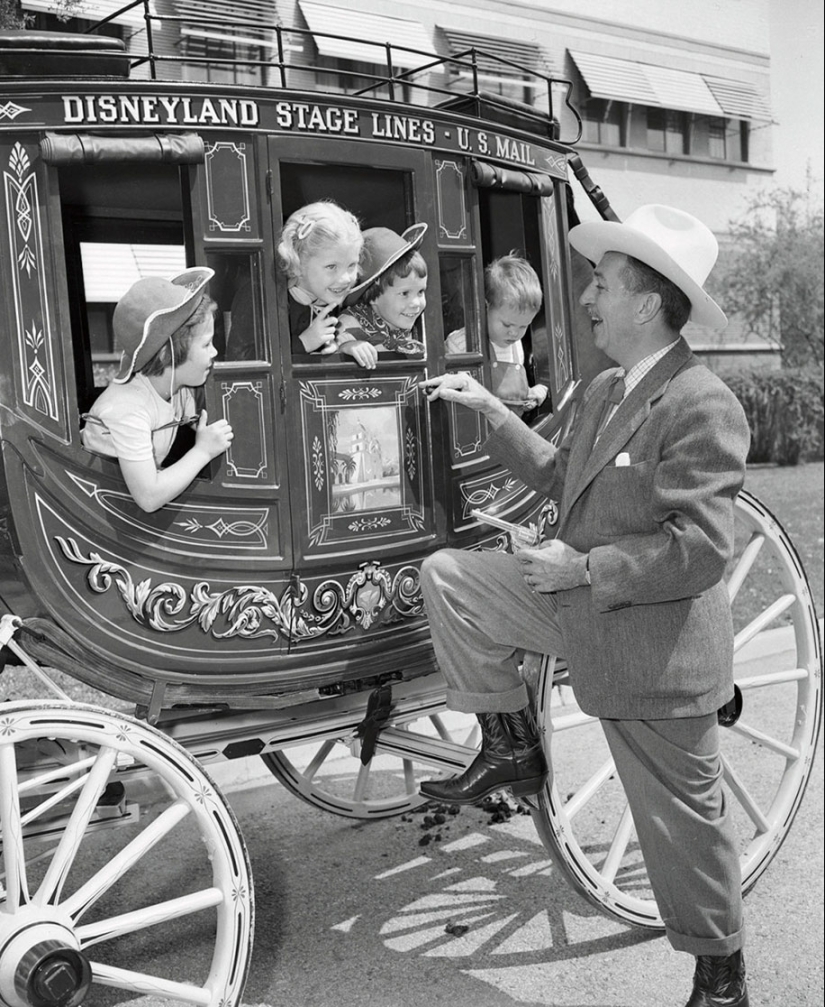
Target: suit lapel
[634,410]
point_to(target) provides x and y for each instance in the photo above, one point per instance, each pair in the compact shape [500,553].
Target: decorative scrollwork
[352,394]
[410,453]
[252,611]
[318,470]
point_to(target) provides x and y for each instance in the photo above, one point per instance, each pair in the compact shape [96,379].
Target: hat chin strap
[172,382]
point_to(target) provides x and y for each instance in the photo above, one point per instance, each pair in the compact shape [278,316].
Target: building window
[744,140]
[667,131]
[718,138]
[346,76]
[603,122]
[235,62]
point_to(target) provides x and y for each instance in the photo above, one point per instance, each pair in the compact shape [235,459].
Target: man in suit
[630,591]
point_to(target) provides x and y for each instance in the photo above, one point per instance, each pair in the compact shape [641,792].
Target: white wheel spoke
[744,797]
[618,847]
[17,887]
[410,785]
[776,678]
[765,740]
[318,759]
[743,567]
[96,886]
[590,788]
[149,916]
[139,982]
[55,798]
[438,723]
[72,837]
[761,622]
[70,769]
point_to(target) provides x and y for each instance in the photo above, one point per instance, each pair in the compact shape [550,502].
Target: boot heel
[528,788]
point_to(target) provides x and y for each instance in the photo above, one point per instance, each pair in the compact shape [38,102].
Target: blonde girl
[319,250]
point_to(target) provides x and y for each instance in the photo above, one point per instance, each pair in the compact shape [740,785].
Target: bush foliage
[785,413]
[771,275]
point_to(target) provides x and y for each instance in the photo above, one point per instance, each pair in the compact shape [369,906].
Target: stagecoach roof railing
[467,60]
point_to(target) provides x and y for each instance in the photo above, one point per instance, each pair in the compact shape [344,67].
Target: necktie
[615,395]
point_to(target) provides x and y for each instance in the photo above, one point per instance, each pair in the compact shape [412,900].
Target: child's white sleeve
[128,437]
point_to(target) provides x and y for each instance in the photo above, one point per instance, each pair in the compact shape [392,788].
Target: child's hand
[362,352]
[535,396]
[321,333]
[213,439]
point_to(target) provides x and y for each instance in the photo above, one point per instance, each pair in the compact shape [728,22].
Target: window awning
[344,33]
[740,101]
[650,84]
[494,55]
[94,10]
[251,13]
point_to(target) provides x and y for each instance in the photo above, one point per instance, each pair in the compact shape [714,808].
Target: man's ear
[649,307]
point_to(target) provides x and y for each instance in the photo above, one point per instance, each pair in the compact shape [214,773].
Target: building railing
[394,82]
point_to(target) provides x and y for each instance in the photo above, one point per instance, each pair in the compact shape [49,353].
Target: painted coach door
[359,460]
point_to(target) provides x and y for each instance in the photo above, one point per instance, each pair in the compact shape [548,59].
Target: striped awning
[739,101]
[494,56]
[94,10]
[345,33]
[651,84]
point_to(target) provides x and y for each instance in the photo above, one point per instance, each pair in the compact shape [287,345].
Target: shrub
[785,413]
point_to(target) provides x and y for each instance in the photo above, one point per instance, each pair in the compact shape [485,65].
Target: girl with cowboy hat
[388,301]
[165,328]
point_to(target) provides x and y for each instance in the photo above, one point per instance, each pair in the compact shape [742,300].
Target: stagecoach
[275,605]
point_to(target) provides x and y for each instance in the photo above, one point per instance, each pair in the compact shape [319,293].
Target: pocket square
[622,460]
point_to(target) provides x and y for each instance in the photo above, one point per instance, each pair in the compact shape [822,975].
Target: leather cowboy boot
[719,981]
[511,756]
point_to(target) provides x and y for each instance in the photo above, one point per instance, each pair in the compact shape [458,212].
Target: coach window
[236,287]
[459,301]
[378,197]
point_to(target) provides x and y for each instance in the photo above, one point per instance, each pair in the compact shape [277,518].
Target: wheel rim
[62,770]
[411,748]
[767,755]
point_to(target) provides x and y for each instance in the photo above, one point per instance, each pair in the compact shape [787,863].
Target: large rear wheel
[583,817]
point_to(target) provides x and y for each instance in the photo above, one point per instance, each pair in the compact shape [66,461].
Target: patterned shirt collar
[638,371]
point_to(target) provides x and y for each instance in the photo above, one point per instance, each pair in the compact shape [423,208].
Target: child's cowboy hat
[151,311]
[668,240]
[383,247]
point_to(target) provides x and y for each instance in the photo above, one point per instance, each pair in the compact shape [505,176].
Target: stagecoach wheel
[122,909]
[583,818]
[331,776]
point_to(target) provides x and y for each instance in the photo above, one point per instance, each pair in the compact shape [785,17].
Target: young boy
[384,307]
[165,328]
[513,295]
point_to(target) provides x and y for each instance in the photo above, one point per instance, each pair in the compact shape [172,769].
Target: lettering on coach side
[148,110]
[317,118]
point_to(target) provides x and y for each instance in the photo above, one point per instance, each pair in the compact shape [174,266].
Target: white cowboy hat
[151,311]
[668,240]
[383,247]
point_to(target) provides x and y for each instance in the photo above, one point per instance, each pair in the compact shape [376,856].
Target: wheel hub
[42,966]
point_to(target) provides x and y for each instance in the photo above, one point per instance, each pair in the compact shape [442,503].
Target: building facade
[672,99]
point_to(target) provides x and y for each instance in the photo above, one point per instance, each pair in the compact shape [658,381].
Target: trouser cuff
[706,945]
[488,702]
